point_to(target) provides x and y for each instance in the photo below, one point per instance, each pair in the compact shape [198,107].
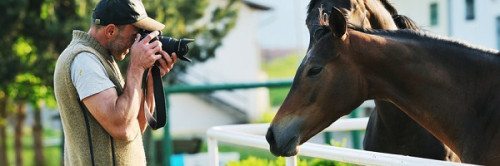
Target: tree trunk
[38,134]
[21,115]
[3,129]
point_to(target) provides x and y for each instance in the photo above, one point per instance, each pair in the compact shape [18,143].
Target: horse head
[369,14]
[326,87]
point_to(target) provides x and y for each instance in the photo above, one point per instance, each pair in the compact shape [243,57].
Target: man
[102,113]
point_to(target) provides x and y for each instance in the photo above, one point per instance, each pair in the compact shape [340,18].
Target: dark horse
[389,130]
[449,88]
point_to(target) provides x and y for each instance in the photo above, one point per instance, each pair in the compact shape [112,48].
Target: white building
[236,61]
[474,21]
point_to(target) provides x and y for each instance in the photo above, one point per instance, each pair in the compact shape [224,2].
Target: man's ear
[338,23]
[110,30]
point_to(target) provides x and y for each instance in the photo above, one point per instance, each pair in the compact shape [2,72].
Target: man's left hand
[166,62]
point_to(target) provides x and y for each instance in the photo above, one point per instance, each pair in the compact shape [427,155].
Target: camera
[171,45]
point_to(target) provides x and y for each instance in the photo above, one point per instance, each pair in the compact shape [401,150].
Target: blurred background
[245,55]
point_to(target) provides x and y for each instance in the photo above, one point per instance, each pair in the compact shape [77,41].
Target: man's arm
[118,114]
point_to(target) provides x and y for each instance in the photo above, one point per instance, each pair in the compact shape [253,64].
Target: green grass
[250,156]
[281,68]
[52,154]
[244,151]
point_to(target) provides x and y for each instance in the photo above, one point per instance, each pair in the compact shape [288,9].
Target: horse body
[389,130]
[451,89]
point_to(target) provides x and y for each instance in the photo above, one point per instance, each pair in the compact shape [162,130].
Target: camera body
[171,45]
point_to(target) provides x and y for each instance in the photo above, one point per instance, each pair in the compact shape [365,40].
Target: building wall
[236,61]
[190,116]
[482,30]
[419,11]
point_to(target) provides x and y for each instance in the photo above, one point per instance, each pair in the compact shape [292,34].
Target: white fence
[253,135]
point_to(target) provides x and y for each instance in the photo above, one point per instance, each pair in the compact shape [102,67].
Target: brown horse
[449,88]
[389,130]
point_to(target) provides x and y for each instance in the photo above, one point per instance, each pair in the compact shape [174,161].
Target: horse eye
[320,32]
[314,71]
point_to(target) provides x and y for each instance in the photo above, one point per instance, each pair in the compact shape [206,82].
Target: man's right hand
[142,53]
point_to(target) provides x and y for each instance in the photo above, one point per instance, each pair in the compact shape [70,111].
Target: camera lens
[171,45]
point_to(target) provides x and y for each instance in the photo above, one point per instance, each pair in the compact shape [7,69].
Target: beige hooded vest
[85,141]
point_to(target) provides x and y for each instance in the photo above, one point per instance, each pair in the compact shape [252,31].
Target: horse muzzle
[283,142]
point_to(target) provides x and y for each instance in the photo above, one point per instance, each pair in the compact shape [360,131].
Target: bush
[280,161]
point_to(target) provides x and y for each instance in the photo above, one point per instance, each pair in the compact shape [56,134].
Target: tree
[34,32]
[205,20]
[10,66]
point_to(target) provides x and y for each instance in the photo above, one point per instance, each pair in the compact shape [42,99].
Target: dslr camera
[171,45]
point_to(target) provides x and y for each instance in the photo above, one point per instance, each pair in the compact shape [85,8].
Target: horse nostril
[270,136]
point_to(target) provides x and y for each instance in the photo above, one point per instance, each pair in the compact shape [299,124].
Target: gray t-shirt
[88,75]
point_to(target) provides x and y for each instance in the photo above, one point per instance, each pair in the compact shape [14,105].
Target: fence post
[213,152]
[291,161]
[167,140]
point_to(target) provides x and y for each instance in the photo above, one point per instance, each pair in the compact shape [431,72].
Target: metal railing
[166,145]
[252,135]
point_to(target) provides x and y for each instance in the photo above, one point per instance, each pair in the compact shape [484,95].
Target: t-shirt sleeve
[88,75]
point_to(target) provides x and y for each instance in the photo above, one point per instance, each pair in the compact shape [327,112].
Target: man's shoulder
[85,56]
[88,75]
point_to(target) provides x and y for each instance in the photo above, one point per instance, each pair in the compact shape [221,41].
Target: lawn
[281,68]
[52,153]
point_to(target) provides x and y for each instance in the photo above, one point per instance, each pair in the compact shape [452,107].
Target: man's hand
[167,62]
[142,53]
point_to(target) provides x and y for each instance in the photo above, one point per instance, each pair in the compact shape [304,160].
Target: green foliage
[341,143]
[258,157]
[251,161]
[208,23]
[277,96]
[244,151]
[280,161]
[283,67]
[35,32]
[266,117]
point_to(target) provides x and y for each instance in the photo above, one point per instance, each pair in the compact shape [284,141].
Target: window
[434,14]
[498,32]
[469,10]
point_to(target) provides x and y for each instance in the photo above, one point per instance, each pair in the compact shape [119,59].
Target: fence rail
[252,135]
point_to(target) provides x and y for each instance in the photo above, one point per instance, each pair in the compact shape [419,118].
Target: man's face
[120,45]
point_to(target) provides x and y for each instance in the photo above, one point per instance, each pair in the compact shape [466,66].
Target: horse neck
[378,16]
[439,91]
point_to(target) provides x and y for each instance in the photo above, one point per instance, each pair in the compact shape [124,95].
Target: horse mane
[388,6]
[311,6]
[404,22]
[401,21]
[424,37]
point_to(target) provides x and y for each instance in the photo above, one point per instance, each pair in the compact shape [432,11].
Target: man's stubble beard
[118,49]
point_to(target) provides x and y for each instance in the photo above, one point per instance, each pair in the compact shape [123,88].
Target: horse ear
[338,23]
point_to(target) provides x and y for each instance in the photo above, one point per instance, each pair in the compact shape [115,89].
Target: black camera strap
[159,118]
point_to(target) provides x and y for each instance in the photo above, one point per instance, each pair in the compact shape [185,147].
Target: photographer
[102,113]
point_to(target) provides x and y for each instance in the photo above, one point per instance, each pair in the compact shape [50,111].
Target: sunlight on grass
[281,68]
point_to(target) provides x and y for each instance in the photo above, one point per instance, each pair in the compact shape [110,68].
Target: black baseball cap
[121,12]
